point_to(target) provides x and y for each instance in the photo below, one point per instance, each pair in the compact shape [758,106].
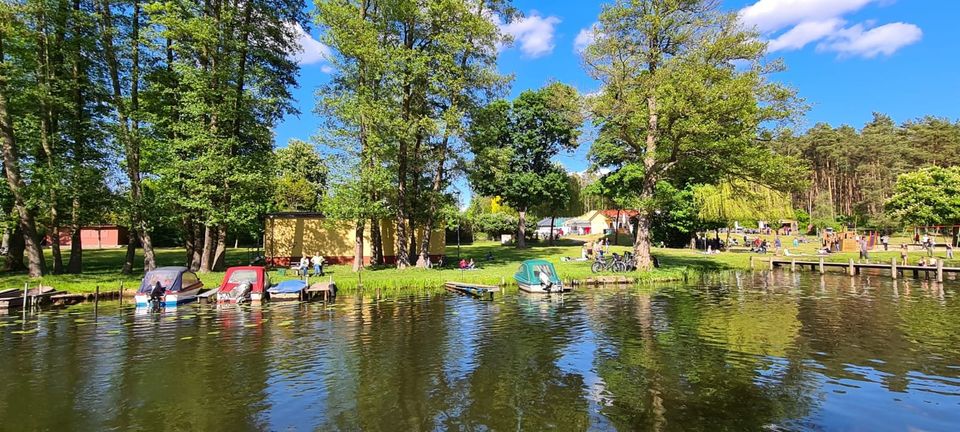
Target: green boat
[538,276]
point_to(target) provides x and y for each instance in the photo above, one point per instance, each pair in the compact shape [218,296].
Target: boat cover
[289,286]
[533,271]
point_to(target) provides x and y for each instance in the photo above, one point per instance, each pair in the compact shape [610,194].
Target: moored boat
[240,284]
[287,290]
[168,286]
[538,276]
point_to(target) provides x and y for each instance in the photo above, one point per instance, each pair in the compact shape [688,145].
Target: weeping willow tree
[733,201]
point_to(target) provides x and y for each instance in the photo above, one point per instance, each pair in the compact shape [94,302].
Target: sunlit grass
[102,267]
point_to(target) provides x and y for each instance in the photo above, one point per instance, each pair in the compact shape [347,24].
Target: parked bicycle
[614,264]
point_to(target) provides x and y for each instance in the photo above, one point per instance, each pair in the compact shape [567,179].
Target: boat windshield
[241,276]
[544,270]
[166,279]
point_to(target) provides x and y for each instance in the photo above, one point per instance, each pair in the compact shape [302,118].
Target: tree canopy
[514,143]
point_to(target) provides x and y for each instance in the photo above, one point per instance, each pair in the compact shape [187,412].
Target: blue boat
[168,286]
[538,276]
[288,290]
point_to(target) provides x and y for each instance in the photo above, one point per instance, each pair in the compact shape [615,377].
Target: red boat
[240,284]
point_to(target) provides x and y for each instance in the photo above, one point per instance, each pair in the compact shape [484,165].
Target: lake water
[776,351]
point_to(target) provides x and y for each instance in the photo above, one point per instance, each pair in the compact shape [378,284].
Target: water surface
[776,351]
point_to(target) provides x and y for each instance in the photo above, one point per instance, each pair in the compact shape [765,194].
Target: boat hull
[170,300]
[540,289]
[284,296]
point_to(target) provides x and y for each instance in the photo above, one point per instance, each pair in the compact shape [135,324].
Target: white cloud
[802,22]
[311,50]
[534,34]
[773,15]
[584,38]
[860,41]
[804,33]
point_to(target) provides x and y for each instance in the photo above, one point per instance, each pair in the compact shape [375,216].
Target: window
[241,276]
[188,279]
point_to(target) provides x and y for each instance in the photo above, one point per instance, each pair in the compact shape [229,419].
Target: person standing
[949,251]
[864,251]
[885,241]
[903,254]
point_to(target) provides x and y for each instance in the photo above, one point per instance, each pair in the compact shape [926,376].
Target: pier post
[851,269]
[751,262]
[771,263]
[821,265]
[939,270]
[893,268]
[96,295]
[793,264]
[121,293]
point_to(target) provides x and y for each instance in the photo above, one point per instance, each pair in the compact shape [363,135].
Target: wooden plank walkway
[852,268]
[472,289]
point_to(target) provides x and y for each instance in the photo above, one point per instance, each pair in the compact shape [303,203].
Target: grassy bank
[101,267]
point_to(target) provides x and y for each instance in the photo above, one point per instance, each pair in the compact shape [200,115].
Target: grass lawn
[101,267]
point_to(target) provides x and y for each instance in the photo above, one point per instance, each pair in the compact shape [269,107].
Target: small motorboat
[287,290]
[538,276]
[242,284]
[168,286]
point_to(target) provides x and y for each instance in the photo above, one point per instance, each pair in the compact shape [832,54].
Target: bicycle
[614,264]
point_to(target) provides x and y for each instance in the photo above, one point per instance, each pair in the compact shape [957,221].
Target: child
[903,253]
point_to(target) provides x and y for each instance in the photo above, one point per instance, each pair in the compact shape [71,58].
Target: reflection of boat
[243,283]
[287,290]
[538,276]
[168,286]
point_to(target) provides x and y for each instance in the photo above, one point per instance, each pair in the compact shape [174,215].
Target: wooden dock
[853,268]
[208,296]
[472,289]
[326,289]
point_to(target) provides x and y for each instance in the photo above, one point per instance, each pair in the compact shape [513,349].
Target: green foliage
[685,99]
[741,201]
[513,145]
[301,177]
[930,196]
[856,170]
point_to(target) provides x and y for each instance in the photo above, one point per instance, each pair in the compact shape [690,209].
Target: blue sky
[846,58]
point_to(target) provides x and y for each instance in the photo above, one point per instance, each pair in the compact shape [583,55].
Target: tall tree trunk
[376,248]
[423,261]
[209,244]
[358,246]
[553,218]
[189,242]
[641,243]
[13,261]
[75,265]
[131,254]
[198,239]
[522,229]
[129,125]
[47,71]
[36,265]
[220,253]
[79,72]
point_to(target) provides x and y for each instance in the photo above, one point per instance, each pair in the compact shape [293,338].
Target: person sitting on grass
[463,264]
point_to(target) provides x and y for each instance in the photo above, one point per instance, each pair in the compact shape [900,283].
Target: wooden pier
[326,289]
[472,289]
[853,268]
